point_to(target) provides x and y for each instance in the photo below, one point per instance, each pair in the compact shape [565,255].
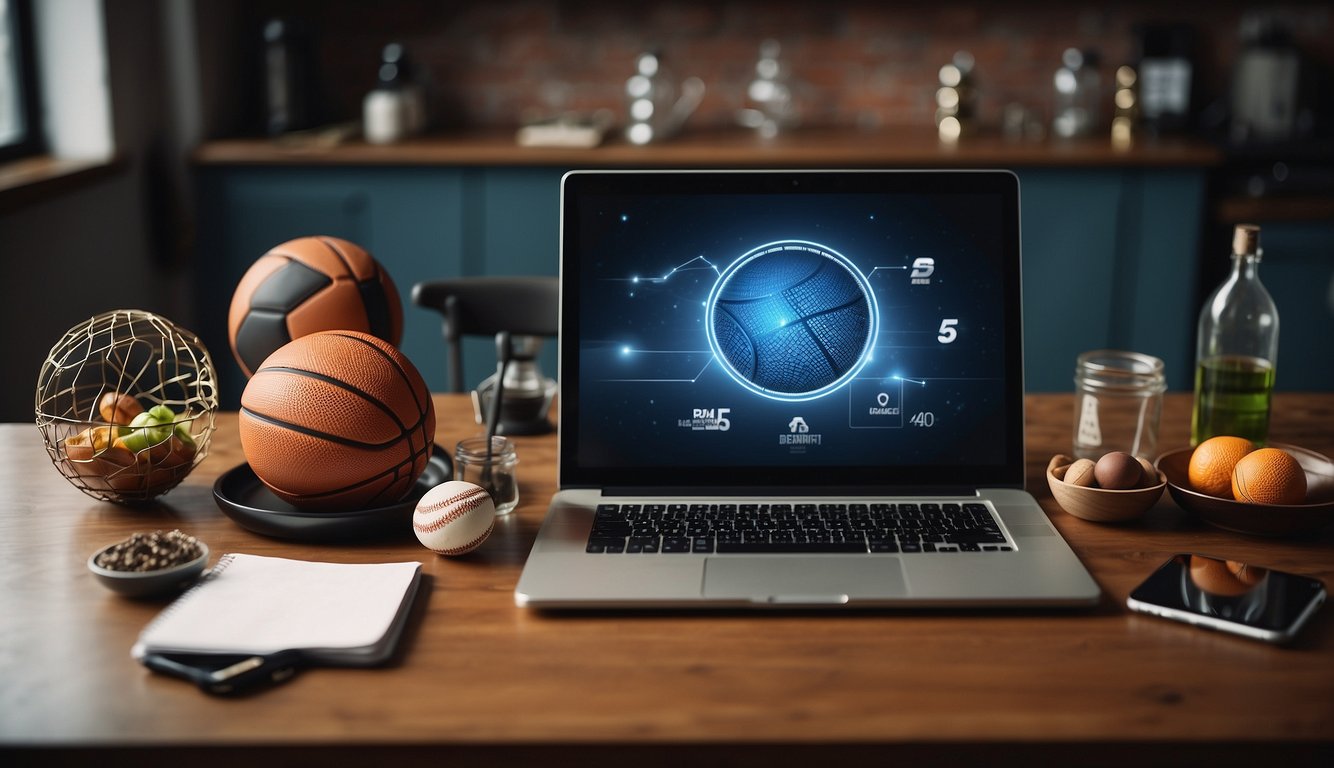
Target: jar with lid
[492,469]
[1118,403]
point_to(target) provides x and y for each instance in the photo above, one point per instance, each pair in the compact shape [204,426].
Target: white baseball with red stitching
[454,518]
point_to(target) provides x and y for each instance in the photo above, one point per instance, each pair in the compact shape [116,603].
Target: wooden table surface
[480,680]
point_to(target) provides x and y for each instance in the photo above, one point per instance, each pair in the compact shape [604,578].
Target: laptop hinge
[757,492]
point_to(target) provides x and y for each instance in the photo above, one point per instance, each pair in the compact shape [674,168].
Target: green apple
[149,428]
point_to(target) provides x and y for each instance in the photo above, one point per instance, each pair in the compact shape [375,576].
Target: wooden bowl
[1257,519]
[1100,505]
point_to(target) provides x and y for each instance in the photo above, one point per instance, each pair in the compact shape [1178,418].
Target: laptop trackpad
[801,580]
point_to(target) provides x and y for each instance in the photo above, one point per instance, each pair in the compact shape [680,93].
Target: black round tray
[244,498]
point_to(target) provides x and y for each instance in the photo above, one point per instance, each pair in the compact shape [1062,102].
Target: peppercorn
[150,552]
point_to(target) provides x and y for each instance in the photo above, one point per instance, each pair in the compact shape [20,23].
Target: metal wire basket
[126,403]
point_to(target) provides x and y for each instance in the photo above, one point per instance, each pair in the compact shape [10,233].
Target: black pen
[224,674]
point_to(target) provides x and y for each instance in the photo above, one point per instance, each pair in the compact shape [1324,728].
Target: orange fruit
[1212,462]
[1269,476]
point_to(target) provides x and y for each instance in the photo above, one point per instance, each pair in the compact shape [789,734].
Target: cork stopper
[1246,239]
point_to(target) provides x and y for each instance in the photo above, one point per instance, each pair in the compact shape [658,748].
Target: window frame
[33,140]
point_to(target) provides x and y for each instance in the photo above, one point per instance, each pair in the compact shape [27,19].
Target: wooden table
[482,681]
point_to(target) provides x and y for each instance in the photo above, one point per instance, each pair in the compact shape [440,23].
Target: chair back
[527,305]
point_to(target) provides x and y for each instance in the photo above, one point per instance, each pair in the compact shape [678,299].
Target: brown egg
[1150,475]
[1080,473]
[1117,471]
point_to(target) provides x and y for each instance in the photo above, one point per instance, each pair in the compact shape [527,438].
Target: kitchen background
[849,63]
[177,218]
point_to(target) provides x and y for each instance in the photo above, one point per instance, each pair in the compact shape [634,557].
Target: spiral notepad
[334,613]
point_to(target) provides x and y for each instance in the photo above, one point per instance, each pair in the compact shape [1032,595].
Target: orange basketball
[1212,461]
[1269,476]
[337,420]
[306,285]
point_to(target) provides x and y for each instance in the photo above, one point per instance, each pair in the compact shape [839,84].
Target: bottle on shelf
[395,109]
[1237,349]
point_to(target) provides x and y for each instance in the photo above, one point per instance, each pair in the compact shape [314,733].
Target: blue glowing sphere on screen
[792,320]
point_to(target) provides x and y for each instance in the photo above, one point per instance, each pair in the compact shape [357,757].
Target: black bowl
[244,498]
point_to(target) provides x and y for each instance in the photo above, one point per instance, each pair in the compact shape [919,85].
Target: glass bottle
[1236,350]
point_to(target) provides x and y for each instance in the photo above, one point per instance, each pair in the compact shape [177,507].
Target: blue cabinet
[1110,255]
[1110,258]
[1298,270]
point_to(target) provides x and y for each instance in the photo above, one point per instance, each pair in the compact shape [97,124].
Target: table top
[489,680]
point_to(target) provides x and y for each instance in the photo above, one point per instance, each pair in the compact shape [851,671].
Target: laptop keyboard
[789,528]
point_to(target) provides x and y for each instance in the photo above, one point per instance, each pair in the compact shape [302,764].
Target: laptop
[793,389]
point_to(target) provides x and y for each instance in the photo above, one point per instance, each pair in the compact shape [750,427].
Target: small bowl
[1100,505]
[149,583]
[1257,519]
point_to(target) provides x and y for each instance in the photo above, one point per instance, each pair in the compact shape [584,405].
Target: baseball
[454,518]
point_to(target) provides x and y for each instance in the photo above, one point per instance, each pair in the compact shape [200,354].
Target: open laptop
[793,388]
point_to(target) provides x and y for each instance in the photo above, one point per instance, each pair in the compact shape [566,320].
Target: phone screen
[1225,594]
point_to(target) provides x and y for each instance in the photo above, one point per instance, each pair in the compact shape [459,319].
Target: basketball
[791,320]
[306,285]
[337,420]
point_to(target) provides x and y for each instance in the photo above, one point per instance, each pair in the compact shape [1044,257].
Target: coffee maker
[525,393]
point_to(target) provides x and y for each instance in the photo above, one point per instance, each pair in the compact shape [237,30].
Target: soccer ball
[792,320]
[306,285]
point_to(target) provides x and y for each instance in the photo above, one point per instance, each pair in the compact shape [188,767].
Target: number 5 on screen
[948,333]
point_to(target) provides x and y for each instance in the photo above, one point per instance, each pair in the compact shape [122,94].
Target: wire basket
[126,403]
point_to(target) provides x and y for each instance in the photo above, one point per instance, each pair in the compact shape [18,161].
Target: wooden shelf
[807,148]
[1235,210]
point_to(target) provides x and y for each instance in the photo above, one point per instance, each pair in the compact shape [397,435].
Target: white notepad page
[250,604]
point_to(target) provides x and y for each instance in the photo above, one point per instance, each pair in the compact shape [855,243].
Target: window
[20,127]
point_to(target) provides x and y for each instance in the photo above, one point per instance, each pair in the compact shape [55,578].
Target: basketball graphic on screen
[791,320]
[337,420]
[306,285]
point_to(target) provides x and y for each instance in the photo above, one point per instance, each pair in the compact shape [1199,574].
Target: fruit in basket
[119,408]
[1212,462]
[88,397]
[1269,476]
[150,428]
[89,443]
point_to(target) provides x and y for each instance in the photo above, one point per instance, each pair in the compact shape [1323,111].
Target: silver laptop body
[793,389]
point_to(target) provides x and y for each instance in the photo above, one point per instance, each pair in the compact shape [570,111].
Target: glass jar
[493,471]
[1118,403]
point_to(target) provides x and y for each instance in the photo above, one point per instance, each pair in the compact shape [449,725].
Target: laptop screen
[798,329]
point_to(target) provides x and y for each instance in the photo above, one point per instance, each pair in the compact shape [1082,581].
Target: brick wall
[850,63]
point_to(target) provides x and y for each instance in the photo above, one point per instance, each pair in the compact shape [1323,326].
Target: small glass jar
[494,472]
[1118,403]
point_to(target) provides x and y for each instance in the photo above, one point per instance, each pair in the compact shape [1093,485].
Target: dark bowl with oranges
[1311,516]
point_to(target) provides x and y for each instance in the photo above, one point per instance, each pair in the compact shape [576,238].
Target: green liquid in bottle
[1232,395]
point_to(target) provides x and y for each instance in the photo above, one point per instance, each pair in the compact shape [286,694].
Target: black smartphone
[1226,595]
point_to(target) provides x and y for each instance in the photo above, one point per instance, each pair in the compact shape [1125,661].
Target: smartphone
[1229,596]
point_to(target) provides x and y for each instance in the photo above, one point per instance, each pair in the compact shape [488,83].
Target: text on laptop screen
[818,324]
